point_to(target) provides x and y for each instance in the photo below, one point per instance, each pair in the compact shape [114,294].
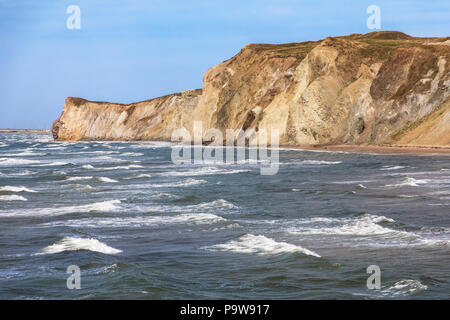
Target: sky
[128,51]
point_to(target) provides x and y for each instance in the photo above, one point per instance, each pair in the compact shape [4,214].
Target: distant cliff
[381,87]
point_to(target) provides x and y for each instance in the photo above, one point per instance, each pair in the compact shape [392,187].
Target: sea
[121,220]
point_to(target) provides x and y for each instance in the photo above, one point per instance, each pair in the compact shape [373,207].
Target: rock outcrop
[381,87]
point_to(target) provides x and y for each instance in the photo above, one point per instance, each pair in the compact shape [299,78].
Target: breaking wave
[75,244]
[408,182]
[405,288]
[12,198]
[259,245]
[188,218]
[15,189]
[16,161]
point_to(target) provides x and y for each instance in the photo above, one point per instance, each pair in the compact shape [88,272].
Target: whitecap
[75,244]
[105,179]
[79,178]
[188,218]
[318,162]
[138,176]
[12,198]
[184,183]
[203,172]
[54,164]
[15,189]
[216,204]
[16,161]
[405,287]
[131,166]
[408,182]
[259,245]
[104,206]
[393,167]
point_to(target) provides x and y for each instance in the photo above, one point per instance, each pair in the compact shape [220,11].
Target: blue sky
[128,51]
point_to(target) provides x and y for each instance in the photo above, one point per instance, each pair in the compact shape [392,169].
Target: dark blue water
[139,226]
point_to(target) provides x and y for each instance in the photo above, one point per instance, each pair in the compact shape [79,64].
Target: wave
[15,189]
[87,166]
[83,187]
[104,206]
[216,204]
[393,167]
[105,179]
[16,161]
[55,164]
[188,218]
[318,162]
[12,198]
[185,183]
[408,182]
[132,154]
[75,244]
[79,178]
[259,245]
[131,166]
[405,287]
[363,226]
[138,176]
[102,179]
[203,172]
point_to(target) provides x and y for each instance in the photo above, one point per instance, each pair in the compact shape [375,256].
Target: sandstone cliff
[381,87]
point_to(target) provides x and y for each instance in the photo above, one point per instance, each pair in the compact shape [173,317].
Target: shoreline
[411,150]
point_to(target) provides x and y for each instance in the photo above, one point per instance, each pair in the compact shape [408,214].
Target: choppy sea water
[140,227]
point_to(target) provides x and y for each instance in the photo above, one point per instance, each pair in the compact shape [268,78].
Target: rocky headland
[380,88]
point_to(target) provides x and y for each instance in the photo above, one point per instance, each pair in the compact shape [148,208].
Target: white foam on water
[393,167]
[79,178]
[295,190]
[75,244]
[83,187]
[16,161]
[364,226]
[23,173]
[15,189]
[12,198]
[405,288]
[185,183]
[105,179]
[131,166]
[317,162]
[87,166]
[260,245]
[132,154]
[138,176]
[362,186]
[104,206]
[26,152]
[216,204]
[54,164]
[187,218]
[408,182]
[203,172]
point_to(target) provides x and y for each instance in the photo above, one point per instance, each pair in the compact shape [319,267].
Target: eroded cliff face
[358,89]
